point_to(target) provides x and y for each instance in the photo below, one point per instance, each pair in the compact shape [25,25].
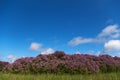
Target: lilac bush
[59,62]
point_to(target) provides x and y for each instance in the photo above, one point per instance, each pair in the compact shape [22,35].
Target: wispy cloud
[111,31]
[108,33]
[79,40]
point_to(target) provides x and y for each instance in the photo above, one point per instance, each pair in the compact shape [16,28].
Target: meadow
[99,76]
[62,66]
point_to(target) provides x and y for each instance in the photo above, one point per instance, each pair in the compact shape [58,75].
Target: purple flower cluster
[59,62]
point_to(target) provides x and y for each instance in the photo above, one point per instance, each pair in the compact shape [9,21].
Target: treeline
[59,62]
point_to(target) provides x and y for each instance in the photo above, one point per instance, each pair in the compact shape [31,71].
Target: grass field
[107,76]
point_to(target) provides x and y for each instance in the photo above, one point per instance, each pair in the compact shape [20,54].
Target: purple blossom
[59,62]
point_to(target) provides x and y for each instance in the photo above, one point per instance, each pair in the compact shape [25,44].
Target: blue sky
[31,27]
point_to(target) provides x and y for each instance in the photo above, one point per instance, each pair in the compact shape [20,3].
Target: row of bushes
[59,62]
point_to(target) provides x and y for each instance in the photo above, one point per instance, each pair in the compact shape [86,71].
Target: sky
[32,27]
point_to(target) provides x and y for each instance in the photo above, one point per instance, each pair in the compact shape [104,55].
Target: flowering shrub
[59,62]
[2,65]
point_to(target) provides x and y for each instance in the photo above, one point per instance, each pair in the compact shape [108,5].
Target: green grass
[105,76]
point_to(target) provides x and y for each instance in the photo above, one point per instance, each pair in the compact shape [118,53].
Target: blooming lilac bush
[59,62]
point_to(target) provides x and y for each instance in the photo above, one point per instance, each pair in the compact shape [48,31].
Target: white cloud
[11,58]
[77,52]
[110,31]
[38,47]
[112,45]
[79,40]
[35,46]
[47,51]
